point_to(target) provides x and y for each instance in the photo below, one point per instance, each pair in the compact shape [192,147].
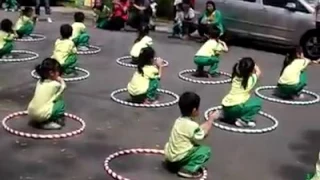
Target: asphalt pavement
[287,153]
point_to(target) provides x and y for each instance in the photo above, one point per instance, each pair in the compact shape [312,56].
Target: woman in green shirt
[211,17]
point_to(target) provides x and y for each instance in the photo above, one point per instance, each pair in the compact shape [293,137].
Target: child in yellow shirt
[238,104]
[209,54]
[25,24]
[7,36]
[80,36]
[143,40]
[47,107]
[65,51]
[146,80]
[184,153]
[293,77]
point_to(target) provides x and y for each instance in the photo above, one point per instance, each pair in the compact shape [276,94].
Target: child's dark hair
[142,31]
[290,57]
[187,102]
[214,32]
[26,11]
[47,65]
[79,17]
[146,57]
[243,69]
[7,26]
[186,2]
[212,3]
[66,31]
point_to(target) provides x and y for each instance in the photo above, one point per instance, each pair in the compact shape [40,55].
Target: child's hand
[59,79]
[213,115]
[159,62]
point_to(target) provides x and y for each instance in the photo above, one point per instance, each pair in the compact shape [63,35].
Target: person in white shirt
[188,24]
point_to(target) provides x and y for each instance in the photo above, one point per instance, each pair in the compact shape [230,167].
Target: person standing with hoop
[47,9]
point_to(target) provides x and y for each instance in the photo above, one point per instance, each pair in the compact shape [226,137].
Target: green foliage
[165,8]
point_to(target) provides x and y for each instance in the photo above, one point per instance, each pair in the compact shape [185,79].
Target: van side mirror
[291,6]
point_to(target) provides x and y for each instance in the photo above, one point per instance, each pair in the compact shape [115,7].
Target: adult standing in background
[47,9]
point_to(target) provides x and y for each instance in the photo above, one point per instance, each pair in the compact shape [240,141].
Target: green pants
[316,175]
[11,4]
[82,40]
[195,159]
[57,110]
[25,30]
[246,111]
[6,49]
[292,90]
[70,64]
[151,94]
[212,61]
[102,23]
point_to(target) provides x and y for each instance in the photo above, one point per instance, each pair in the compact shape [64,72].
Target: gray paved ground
[284,154]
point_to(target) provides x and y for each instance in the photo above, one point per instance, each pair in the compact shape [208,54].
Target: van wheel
[310,44]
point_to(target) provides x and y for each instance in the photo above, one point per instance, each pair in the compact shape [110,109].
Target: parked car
[285,22]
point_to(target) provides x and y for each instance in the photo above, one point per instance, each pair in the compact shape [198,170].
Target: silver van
[285,22]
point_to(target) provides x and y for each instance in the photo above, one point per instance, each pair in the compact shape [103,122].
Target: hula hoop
[42,136]
[35,56]
[87,74]
[121,63]
[136,151]
[95,50]
[181,76]
[292,102]
[176,99]
[244,130]
[35,37]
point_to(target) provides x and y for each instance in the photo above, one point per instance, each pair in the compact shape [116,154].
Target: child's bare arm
[224,46]
[257,71]
[206,126]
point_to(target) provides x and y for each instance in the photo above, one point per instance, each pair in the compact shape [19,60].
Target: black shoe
[61,122]
[200,74]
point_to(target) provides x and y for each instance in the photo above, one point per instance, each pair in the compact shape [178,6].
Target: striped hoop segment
[42,136]
[136,151]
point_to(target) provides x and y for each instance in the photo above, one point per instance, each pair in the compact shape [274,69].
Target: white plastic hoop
[175,96]
[291,102]
[42,136]
[124,58]
[87,74]
[34,38]
[136,151]
[34,56]
[244,130]
[95,50]
[181,76]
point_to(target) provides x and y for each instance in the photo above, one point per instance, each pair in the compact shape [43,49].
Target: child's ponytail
[243,69]
[290,57]
[235,71]
[40,72]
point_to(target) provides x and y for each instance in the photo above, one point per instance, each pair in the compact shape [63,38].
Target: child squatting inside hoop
[7,36]
[47,107]
[293,76]
[209,54]
[238,104]
[184,153]
[143,40]
[25,24]
[80,35]
[65,51]
[146,80]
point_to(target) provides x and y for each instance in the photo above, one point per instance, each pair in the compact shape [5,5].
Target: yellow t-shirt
[291,74]
[4,37]
[77,29]
[22,21]
[210,48]
[238,94]
[184,135]
[40,107]
[63,48]
[139,84]
[143,43]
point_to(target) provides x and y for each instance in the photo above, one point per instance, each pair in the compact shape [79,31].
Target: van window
[283,3]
